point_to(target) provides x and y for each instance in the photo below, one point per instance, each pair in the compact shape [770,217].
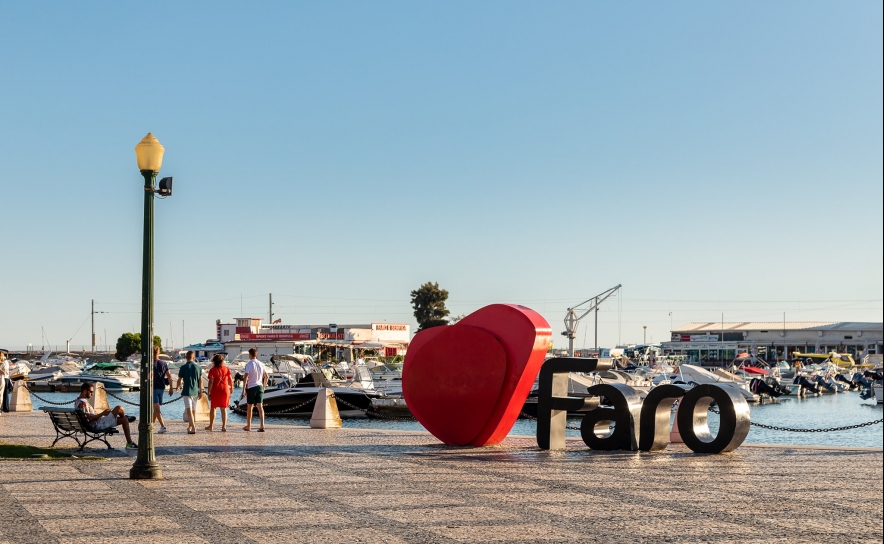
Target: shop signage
[275,336]
[388,327]
[329,335]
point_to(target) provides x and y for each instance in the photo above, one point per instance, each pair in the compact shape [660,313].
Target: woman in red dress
[220,386]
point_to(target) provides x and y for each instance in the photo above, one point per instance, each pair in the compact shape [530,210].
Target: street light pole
[150,157]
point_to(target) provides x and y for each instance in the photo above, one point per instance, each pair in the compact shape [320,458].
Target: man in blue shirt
[190,375]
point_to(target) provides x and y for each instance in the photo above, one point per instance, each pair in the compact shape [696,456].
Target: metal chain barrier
[292,409]
[793,430]
[829,430]
[370,412]
[49,401]
[523,414]
[121,399]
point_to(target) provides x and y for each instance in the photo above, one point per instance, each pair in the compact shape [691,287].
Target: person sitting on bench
[106,419]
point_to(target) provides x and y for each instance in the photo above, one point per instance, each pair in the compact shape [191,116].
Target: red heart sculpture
[466,383]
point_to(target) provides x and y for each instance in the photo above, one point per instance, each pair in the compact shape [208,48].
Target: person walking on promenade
[190,375]
[161,378]
[220,386]
[256,379]
[4,374]
[105,419]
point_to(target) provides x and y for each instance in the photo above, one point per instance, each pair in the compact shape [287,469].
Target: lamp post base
[147,471]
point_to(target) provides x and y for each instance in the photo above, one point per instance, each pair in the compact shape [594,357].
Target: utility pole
[644,334]
[596,323]
[93,324]
[271,308]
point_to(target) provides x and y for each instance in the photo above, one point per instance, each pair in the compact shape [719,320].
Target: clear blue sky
[710,156]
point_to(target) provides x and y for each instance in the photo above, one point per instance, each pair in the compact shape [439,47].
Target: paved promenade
[294,484]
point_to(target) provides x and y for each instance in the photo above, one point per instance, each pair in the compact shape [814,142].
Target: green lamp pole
[149,153]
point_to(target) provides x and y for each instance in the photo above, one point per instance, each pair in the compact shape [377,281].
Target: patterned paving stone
[299,485]
[508,533]
[447,514]
[107,523]
[276,519]
[331,534]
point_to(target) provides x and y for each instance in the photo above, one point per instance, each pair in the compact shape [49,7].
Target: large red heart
[467,383]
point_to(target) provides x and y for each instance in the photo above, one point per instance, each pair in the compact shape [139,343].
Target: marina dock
[294,484]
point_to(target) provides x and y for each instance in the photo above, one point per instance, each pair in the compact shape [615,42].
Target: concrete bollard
[325,411]
[674,435]
[200,411]
[21,398]
[99,399]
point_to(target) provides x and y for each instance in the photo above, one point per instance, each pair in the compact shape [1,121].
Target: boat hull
[300,401]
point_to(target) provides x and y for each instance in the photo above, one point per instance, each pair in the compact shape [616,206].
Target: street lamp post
[149,153]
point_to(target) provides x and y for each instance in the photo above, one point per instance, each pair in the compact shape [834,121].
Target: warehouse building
[710,342]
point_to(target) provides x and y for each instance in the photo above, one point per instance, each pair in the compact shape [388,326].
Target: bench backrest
[70,419]
[67,419]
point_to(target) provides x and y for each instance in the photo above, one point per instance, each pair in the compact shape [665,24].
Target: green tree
[429,306]
[130,342]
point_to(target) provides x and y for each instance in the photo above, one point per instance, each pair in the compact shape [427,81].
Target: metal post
[146,466]
[93,325]
[596,323]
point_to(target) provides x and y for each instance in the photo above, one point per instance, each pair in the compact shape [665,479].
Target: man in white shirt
[106,419]
[256,380]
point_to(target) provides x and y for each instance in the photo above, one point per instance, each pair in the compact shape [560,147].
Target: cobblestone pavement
[293,484]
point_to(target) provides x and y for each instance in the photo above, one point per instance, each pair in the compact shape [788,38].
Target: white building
[711,342]
[276,339]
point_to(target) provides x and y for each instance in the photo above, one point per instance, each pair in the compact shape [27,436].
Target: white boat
[698,375]
[115,376]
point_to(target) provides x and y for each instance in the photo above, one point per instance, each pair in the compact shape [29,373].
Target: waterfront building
[711,342]
[275,338]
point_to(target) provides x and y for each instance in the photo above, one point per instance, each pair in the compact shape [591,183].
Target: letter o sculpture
[693,424]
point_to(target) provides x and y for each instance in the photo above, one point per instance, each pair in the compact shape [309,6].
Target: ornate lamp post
[149,153]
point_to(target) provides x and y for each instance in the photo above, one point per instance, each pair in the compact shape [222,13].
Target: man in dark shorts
[256,380]
[161,378]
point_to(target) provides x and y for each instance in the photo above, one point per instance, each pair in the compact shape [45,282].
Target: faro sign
[637,425]
[467,383]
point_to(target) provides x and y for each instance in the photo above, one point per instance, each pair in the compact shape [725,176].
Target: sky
[720,160]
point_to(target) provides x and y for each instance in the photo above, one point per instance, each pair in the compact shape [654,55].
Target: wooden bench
[70,423]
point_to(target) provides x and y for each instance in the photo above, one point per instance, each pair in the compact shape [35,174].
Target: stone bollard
[99,399]
[325,411]
[674,435]
[200,411]
[21,398]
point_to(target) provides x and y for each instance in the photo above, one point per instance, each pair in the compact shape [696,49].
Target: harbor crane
[572,319]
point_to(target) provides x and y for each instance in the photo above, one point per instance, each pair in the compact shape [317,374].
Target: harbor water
[824,411]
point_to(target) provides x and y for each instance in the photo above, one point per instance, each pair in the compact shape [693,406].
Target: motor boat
[18,369]
[115,376]
[696,375]
[55,372]
[300,400]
